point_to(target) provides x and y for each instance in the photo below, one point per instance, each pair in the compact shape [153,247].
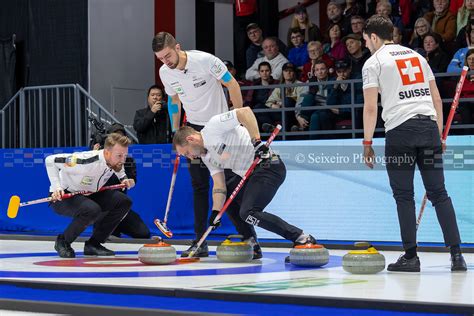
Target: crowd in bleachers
[441,31]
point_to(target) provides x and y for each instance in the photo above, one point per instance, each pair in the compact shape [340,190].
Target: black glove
[212,218]
[261,150]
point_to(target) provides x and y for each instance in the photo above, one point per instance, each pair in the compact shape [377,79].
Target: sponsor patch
[71,161]
[199,84]
[227,116]
[221,149]
[87,180]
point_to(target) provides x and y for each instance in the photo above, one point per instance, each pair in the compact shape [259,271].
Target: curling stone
[367,261]
[159,253]
[234,251]
[309,255]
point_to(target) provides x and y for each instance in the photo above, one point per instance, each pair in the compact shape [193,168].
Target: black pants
[417,142]
[257,193]
[132,225]
[200,181]
[103,209]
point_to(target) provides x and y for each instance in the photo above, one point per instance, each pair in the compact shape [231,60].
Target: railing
[61,115]
[52,116]
[353,131]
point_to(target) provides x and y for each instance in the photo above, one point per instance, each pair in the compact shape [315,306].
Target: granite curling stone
[155,254]
[367,261]
[234,251]
[309,255]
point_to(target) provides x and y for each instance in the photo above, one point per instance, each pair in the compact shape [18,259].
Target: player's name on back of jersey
[414,93]
[401,52]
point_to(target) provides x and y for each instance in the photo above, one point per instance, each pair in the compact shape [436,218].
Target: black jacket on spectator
[438,60]
[358,63]
[152,128]
[257,98]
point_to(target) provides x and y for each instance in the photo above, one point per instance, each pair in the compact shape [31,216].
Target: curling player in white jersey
[194,80]
[232,141]
[413,115]
[89,171]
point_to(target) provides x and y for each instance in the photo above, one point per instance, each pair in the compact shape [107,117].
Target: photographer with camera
[131,225]
[152,123]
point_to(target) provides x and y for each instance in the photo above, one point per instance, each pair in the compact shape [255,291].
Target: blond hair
[179,138]
[116,139]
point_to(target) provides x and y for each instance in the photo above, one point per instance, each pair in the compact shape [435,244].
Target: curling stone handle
[235,237]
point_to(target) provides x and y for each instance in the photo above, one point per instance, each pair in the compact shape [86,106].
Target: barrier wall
[328,191]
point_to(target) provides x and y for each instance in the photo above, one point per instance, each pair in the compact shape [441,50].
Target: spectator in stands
[341,94]
[298,55]
[245,13]
[384,8]
[315,53]
[437,58]
[317,96]
[293,95]
[443,22]
[256,99]
[464,14]
[132,224]
[357,53]
[466,109]
[422,27]
[334,13]
[254,51]
[397,36]
[463,35]
[456,64]
[335,48]
[353,8]
[301,21]
[152,123]
[272,56]
[357,24]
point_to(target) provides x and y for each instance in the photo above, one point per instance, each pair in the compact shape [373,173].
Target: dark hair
[380,26]
[320,61]
[265,63]
[297,30]
[438,39]
[468,53]
[162,40]
[155,87]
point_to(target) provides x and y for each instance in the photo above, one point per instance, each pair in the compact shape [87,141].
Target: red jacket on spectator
[468,88]
[245,7]
[307,72]
[454,6]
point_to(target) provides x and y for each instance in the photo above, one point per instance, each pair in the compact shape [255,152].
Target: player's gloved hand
[212,218]
[261,151]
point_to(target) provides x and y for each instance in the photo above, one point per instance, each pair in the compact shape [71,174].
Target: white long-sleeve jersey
[79,171]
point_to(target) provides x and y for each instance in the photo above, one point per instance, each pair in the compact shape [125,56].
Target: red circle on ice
[96,262]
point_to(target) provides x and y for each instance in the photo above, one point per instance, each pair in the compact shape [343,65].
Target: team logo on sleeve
[410,71]
[217,68]
[227,116]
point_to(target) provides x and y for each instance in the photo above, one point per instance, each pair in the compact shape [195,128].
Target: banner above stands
[328,191]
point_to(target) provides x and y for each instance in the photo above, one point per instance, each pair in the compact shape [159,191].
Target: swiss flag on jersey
[410,71]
